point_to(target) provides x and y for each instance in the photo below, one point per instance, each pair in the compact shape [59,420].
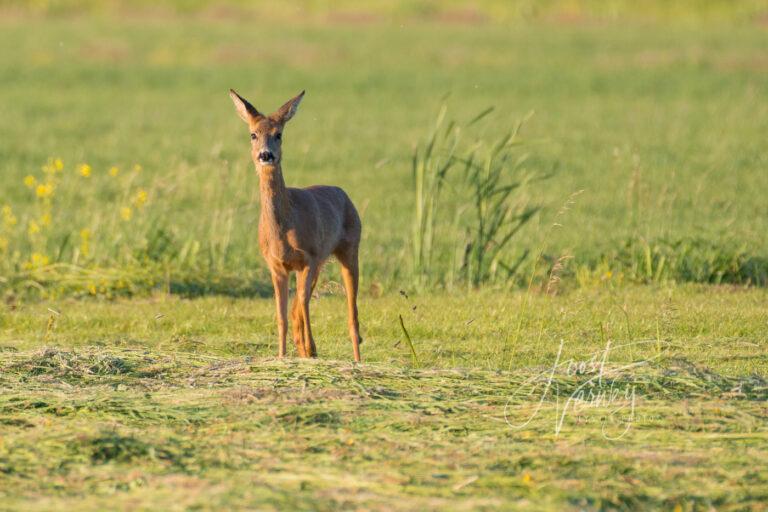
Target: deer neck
[275,205]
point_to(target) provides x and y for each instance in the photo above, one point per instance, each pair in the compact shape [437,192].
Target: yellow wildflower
[92,289]
[44,190]
[37,260]
[3,244]
[126,213]
[137,168]
[85,237]
[33,228]
[9,219]
[30,181]
[527,479]
[45,220]
[141,198]
[114,171]
[84,170]
[53,166]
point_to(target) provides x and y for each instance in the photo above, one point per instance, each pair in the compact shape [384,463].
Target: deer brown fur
[299,229]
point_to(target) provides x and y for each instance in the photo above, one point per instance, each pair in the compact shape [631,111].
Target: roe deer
[299,229]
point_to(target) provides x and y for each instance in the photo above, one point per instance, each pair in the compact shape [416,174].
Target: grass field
[660,129]
[177,404]
[621,366]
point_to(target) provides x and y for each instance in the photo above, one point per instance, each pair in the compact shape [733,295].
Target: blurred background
[641,157]
[456,11]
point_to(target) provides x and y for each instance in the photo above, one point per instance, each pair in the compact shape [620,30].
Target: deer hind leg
[280,283]
[297,319]
[350,275]
[305,282]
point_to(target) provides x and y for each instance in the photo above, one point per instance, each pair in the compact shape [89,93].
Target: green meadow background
[657,127]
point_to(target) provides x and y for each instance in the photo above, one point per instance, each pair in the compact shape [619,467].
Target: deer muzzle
[266,157]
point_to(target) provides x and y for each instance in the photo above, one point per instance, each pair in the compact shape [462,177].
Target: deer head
[266,131]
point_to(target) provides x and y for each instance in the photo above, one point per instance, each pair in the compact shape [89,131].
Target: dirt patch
[740,62]
[288,53]
[465,16]
[353,18]
[105,52]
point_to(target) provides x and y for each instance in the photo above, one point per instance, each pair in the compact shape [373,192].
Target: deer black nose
[266,156]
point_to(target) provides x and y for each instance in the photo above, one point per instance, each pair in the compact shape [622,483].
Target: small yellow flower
[30,181]
[527,479]
[92,289]
[9,219]
[126,213]
[40,259]
[33,228]
[44,190]
[114,171]
[137,168]
[45,219]
[84,170]
[85,237]
[58,164]
[3,244]
[37,261]
[141,198]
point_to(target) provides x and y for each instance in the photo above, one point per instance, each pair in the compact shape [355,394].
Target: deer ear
[246,110]
[287,111]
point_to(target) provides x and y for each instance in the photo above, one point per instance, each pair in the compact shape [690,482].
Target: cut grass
[178,404]
[179,431]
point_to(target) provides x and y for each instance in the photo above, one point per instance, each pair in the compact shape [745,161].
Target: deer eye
[253,136]
[279,136]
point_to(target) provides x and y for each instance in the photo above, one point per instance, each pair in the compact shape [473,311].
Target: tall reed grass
[489,202]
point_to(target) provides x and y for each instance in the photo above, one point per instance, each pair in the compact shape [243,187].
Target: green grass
[178,404]
[722,328]
[661,128]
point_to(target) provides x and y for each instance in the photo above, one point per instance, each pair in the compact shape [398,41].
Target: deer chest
[280,249]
